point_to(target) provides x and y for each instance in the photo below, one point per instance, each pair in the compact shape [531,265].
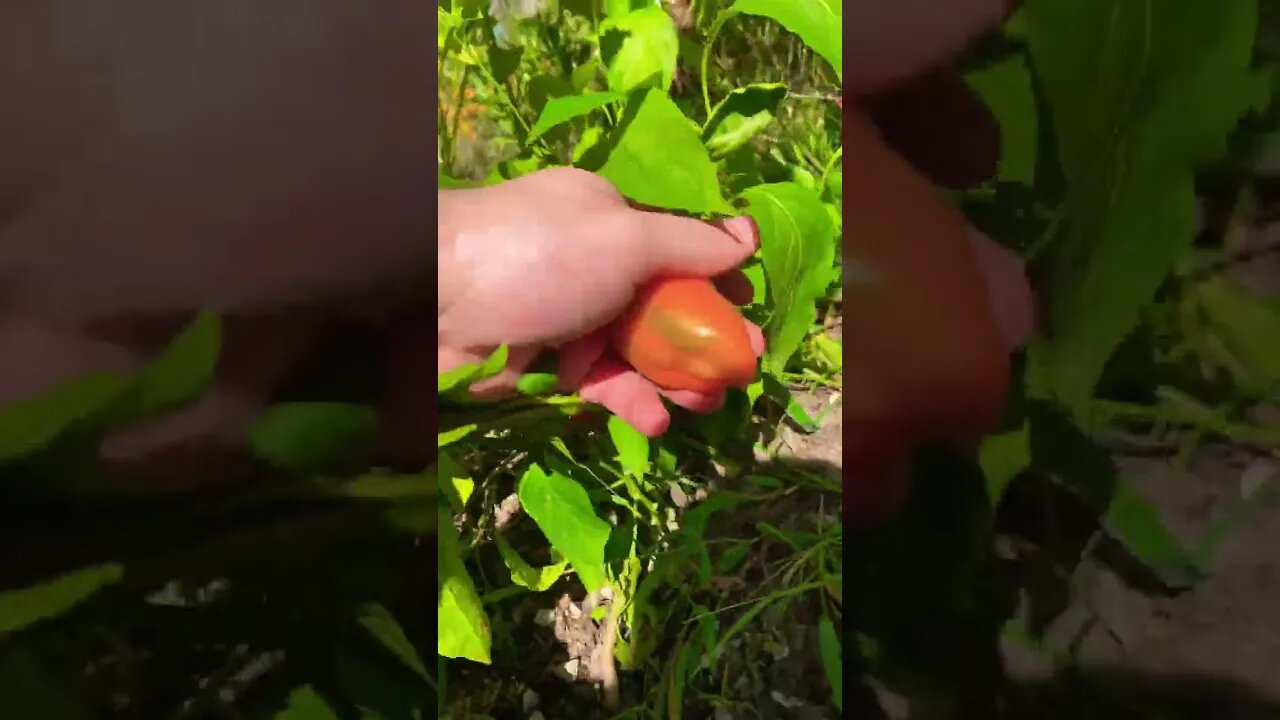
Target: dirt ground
[1211,652]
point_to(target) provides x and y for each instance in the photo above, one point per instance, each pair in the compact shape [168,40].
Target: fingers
[735,287]
[922,119]
[622,391]
[1012,302]
[701,403]
[579,356]
[685,246]
[756,335]
[896,39]
[498,386]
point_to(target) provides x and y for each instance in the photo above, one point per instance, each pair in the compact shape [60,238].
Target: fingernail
[743,229]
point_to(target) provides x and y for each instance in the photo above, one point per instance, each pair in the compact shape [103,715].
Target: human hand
[926,113]
[548,260]
[899,73]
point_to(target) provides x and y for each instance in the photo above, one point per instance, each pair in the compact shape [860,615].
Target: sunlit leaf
[740,116]
[797,246]
[562,510]
[659,160]
[639,50]
[819,23]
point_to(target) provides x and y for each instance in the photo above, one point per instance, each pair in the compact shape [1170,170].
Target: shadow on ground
[1117,692]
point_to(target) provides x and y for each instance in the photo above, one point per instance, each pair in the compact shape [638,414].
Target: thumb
[685,246]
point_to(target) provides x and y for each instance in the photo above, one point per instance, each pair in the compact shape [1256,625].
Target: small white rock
[785,701]
[546,617]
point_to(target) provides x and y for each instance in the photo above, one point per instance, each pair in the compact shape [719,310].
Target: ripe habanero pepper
[682,334]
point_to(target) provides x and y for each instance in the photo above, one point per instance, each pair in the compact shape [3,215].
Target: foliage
[303,593]
[616,88]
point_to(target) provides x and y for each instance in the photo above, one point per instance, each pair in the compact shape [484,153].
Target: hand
[899,73]
[549,260]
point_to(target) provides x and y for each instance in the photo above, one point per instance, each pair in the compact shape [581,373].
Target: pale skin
[269,161]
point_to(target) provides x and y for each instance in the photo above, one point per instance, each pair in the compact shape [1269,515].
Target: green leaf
[1061,448]
[583,75]
[832,665]
[306,704]
[562,510]
[1247,327]
[561,110]
[461,377]
[524,574]
[1006,89]
[537,384]
[794,410]
[449,437]
[32,424]
[658,159]
[307,437]
[797,246]
[463,626]
[639,50]
[819,24]
[387,631]
[391,487]
[632,445]
[455,481]
[618,8]
[1120,86]
[182,372]
[20,608]
[742,115]
[1137,525]
[1003,457]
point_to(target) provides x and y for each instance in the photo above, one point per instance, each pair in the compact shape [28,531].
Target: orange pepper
[682,334]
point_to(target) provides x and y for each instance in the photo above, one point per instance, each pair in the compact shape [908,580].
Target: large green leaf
[657,159]
[562,510]
[797,247]
[1141,94]
[20,608]
[819,23]
[639,50]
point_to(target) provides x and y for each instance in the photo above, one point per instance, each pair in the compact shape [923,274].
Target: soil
[1210,652]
